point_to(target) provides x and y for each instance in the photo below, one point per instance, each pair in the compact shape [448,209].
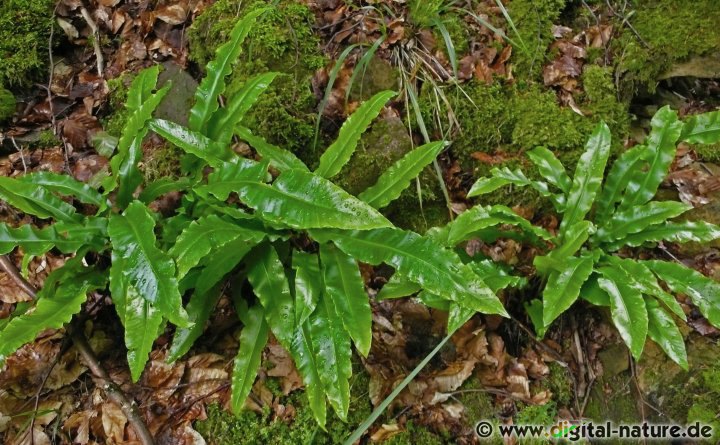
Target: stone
[176,105]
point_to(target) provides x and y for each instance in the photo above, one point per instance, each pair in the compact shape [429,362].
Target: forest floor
[496,79]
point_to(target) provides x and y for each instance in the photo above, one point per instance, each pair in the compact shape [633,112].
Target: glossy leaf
[550,168]
[503,177]
[68,238]
[221,125]
[340,151]
[305,358]
[436,269]
[142,87]
[206,293]
[563,286]
[232,176]
[702,128]
[308,284]
[207,235]
[212,152]
[303,200]
[163,186]
[674,232]
[622,170]
[124,164]
[641,278]
[703,291]
[663,331]
[588,176]
[627,308]
[592,292]
[575,237]
[331,344]
[36,201]
[638,218]
[147,268]
[468,223]
[213,84]
[199,309]
[661,150]
[66,185]
[253,338]
[399,175]
[496,276]
[267,277]
[279,158]
[345,288]
[55,307]
[398,287]
[534,308]
[142,322]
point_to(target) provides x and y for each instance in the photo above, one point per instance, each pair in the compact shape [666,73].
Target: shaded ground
[569,64]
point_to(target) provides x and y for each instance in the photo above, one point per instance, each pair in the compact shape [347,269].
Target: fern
[236,216]
[584,263]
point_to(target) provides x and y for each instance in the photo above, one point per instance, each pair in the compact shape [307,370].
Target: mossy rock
[684,397]
[282,40]
[24,38]
[7,105]
[674,31]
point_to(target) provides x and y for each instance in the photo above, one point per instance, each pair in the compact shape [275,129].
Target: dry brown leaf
[79,423]
[113,422]
[172,14]
[10,292]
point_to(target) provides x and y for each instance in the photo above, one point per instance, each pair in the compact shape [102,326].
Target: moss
[161,162]
[250,428]
[559,384]
[7,104]
[619,406]
[115,121]
[24,36]
[414,435]
[533,20]
[47,139]
[536,415]
[478,406]
[674,31]
[282,40]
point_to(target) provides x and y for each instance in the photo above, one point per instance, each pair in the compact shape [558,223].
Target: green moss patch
[7,104]
[673,30]
[24,37]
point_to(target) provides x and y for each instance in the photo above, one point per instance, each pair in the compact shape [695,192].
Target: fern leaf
[55,306]
[192,142]
[222,124]
[588,176]
[213,84]
[345,289]
[279,158]
[399,175]
[147,268]
[337,154]
[702,128]
[68,186]
[550,168]
[253,338]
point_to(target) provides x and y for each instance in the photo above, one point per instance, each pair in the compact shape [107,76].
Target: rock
[706,67]
[383,144]
[379,75]
[176,105]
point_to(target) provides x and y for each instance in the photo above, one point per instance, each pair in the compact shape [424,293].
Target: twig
[53,121]
[99,60]
[111,389]
[22,156]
